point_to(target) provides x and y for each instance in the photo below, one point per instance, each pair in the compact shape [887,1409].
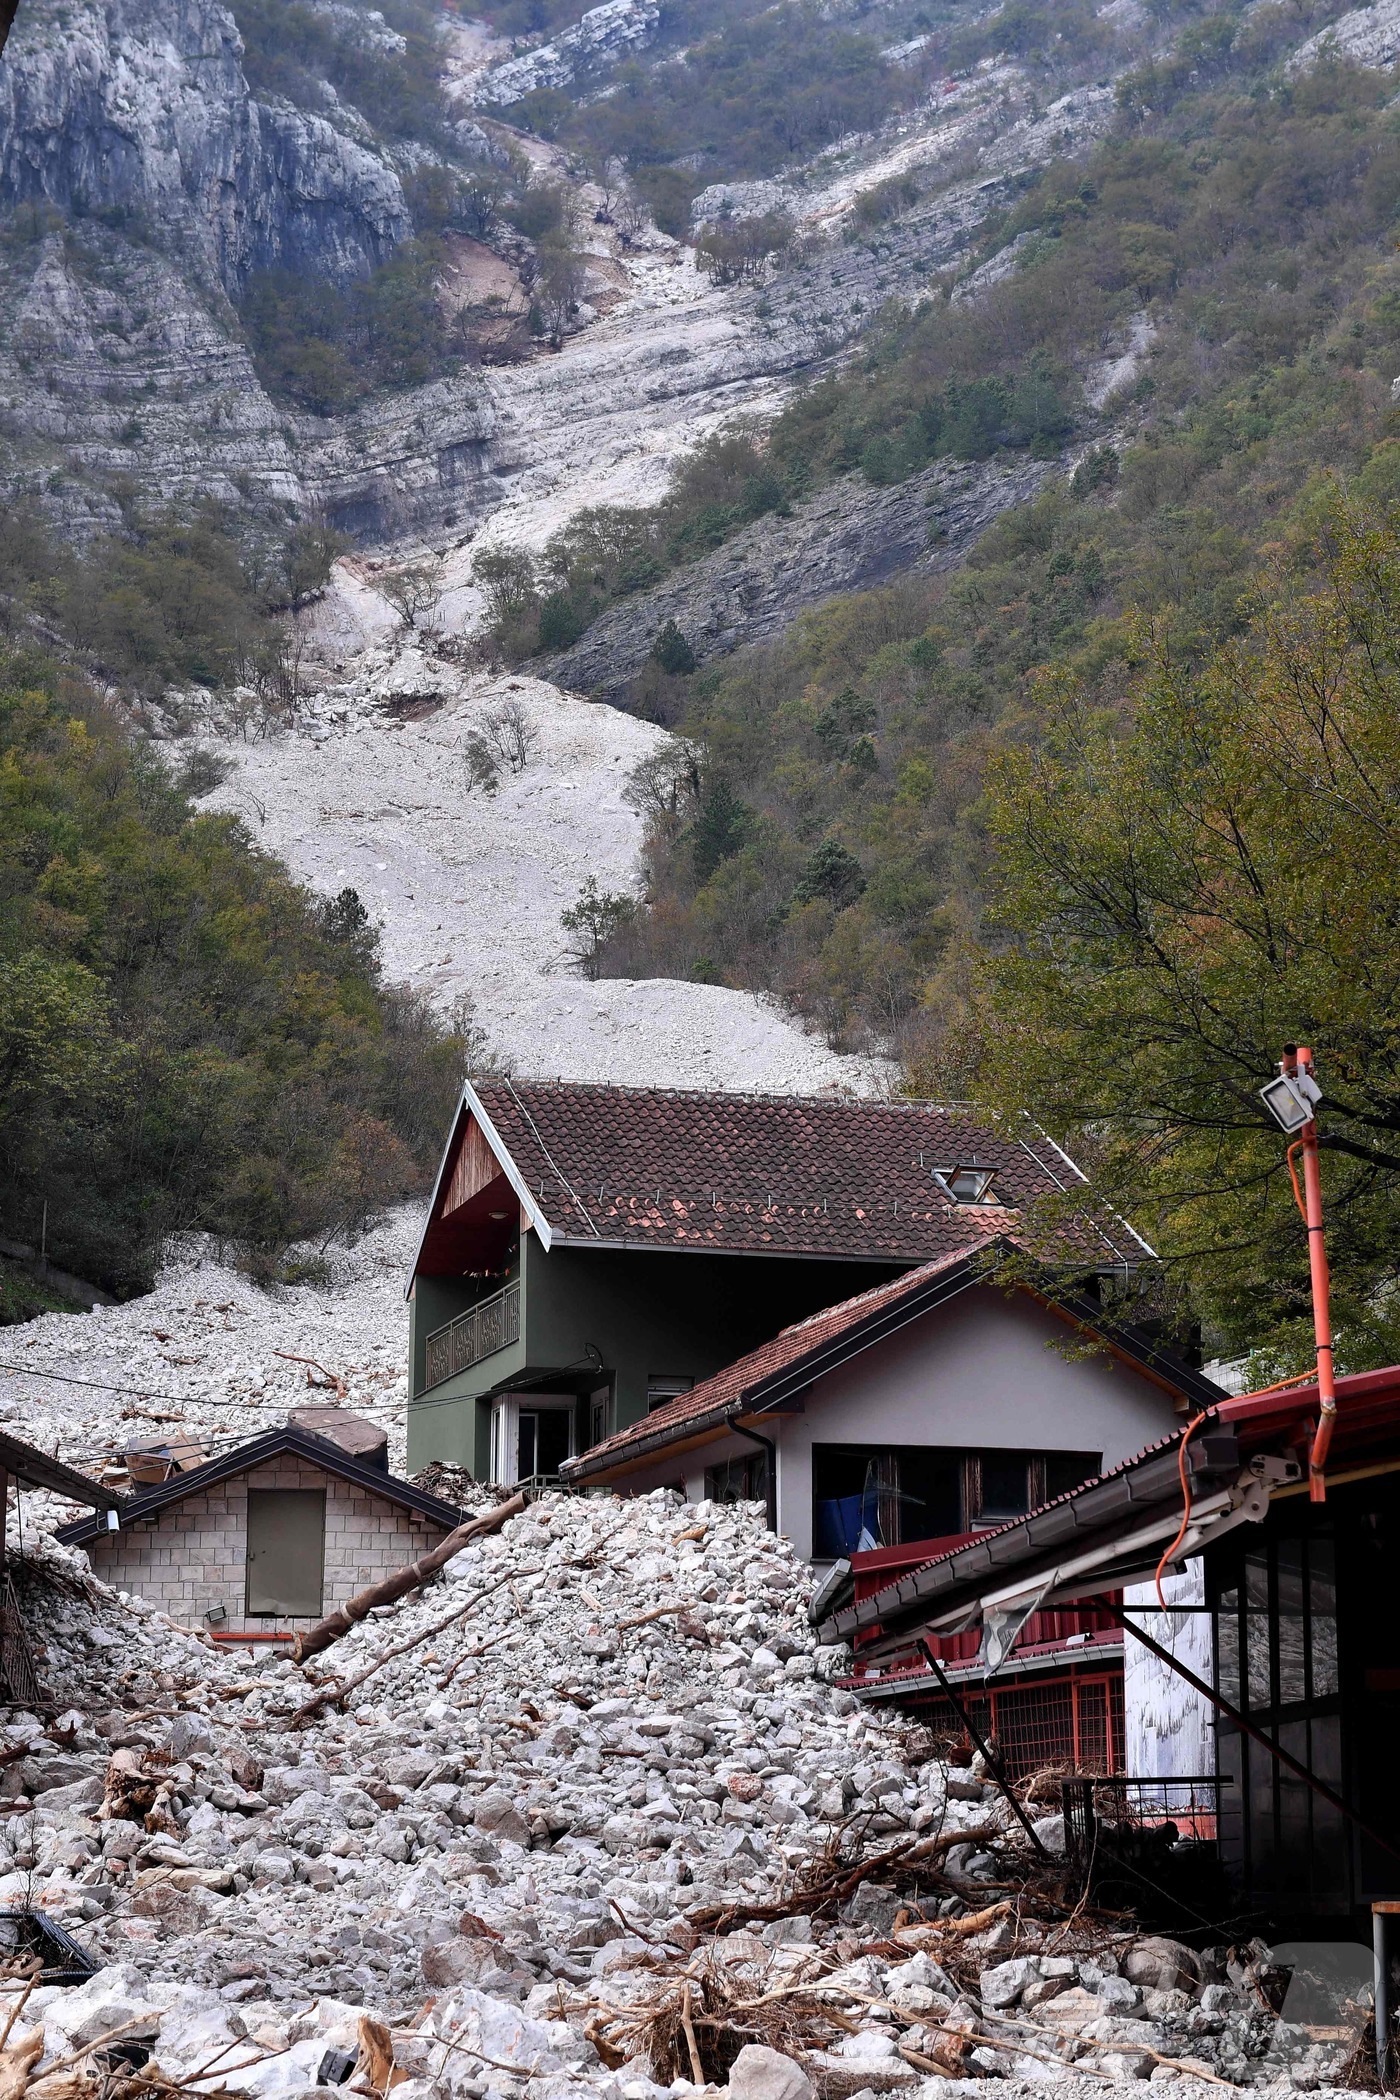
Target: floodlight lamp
[1287,1103]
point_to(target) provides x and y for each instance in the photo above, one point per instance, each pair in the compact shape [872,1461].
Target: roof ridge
[892,1285]
[727,1094]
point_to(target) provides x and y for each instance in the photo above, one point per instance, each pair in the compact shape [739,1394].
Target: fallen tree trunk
[335,1692]
[339,1622]
[837,1886]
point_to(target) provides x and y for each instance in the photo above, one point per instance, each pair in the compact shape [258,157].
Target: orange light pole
[1297,1067]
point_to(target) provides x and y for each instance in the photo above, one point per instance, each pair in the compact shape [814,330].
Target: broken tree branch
[334,1693]
[662,1611]
[413,1577]
[835,1888]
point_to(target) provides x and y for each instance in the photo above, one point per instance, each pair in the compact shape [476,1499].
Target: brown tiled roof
[771,1174]
[731,1390]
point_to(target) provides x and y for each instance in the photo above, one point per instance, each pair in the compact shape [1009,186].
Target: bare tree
[558,290]
[512,735]
[665,786]
[413,590]
[631,217]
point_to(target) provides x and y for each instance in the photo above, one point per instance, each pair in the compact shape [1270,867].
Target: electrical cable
[1185,1504]
[1298,1378]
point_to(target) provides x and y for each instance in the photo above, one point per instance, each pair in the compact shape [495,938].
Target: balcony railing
[493,1324]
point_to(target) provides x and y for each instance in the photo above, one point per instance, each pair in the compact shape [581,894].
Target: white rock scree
[507,1847]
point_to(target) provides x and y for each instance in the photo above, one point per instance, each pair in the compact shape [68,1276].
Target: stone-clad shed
[267,1537]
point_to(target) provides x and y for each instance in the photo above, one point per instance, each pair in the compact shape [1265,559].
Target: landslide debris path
[210,1355]
[559,1851]
[371,792]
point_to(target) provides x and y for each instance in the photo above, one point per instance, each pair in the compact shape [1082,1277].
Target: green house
[591,1252]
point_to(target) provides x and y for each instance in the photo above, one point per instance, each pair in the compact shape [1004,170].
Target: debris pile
[584,1819]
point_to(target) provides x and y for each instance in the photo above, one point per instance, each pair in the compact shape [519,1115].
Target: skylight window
[969,1182]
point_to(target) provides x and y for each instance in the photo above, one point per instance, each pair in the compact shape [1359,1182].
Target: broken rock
[758,2073]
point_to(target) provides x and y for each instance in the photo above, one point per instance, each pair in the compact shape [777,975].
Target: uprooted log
[334,1693]
[340,1622]
[837,1886]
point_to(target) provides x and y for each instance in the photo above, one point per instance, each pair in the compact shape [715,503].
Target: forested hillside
[188,1039]
[831,841]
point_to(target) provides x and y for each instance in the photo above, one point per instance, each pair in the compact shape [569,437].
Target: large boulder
[1157,1964]
[766,2074]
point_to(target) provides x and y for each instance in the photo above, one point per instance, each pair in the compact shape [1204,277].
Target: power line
[141,1392]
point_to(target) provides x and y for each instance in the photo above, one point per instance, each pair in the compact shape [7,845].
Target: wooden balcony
[493,1324]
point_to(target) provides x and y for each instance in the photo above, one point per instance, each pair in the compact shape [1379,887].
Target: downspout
[1298,1062]
[771,1483]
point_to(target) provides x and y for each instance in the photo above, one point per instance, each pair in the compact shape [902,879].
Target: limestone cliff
[139,113]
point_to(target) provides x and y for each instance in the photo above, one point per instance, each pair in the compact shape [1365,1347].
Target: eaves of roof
[274,1443]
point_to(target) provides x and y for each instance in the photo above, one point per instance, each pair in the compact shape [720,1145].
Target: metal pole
[991,1761]
[1379,1939]
[1247,1727]
[1298,1059]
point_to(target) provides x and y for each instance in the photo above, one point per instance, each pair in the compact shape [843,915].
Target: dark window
[866,1495]
[1003,1485]
[286,1552]
[544,1440]
[598,1416]
[738,1479]
[662,1390]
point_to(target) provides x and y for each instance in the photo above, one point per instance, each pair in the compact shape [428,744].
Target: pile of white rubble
[500,1846]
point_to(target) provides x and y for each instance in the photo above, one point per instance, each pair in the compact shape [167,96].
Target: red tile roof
[771,1174]
[717,1398]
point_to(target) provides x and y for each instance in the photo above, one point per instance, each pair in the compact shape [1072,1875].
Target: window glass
[1292,1673]
[1322,1572]
[662,1390]
[739,1480]
[1005,1486]
[525,1446]
[1065,1469]
[1227,1648]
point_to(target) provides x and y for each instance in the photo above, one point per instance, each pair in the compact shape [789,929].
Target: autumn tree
[1190,885]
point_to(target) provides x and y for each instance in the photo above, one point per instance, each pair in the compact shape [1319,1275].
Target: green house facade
[592,1252]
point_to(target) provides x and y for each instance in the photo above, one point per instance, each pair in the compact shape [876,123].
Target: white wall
[982,1370]
[1170,1731]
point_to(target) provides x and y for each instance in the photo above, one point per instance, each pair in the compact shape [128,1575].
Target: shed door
[286,1552]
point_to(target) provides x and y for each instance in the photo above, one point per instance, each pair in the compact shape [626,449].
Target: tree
[737,251]
[1184,893]
[833,873]
[558,288]
[721,827]
[412,590]
[672,651]
[505,576]
[592,920]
